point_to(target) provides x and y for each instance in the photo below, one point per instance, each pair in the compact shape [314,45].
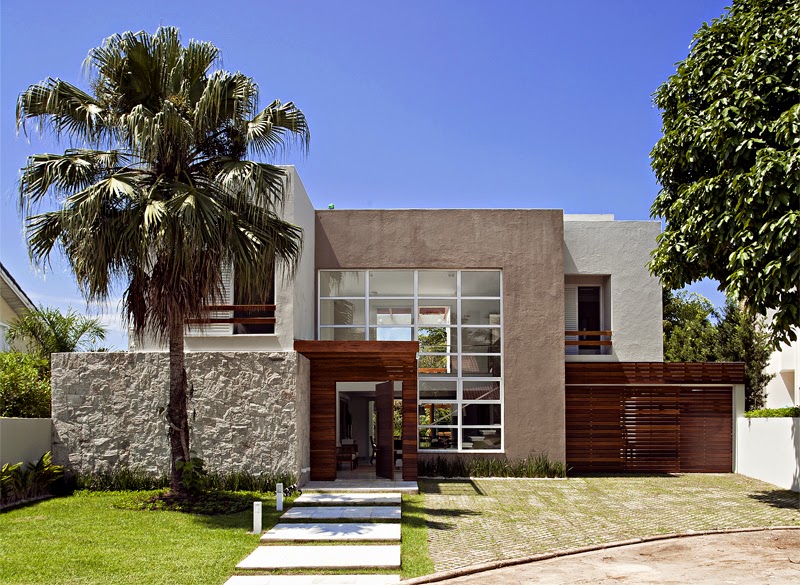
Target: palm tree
[159,195]
[46,331]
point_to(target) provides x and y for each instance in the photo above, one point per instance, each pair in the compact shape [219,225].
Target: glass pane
[441,389]
[480,340]
[391,333]
[437,414]
[437,365]
[342,333]
[481,390]
[480,284]
[436,283]
[392,283]
[480,414]
[341,312]
[437,312]
[480,312]
[480,365]
[391,312]
[437,339]
[482,439]
[336,283]
[438,438]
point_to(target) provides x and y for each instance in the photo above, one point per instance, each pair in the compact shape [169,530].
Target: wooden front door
[384,414]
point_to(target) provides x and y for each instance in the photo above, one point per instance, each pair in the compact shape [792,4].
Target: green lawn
[83,539]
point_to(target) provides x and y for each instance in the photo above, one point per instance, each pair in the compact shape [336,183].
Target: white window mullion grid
[459,378]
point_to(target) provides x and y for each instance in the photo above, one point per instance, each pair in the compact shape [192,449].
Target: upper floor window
[586,310]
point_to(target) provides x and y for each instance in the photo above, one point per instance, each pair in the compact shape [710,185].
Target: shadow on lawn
[416,515]
[785,499]
[450,487]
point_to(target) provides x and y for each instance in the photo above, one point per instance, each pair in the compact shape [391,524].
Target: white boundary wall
[24,439]
[769,449]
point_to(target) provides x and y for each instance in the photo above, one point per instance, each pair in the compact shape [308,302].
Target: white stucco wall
[24,439]
[294,297]
[620,250]
[784,389]
[769,449]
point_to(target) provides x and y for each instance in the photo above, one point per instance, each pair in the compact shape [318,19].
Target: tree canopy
[728,162]
[156,192]
[46,331]
[695,331]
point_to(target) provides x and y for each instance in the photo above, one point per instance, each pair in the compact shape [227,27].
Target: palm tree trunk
[177,411]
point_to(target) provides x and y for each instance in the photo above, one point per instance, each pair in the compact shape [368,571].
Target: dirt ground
[746,558]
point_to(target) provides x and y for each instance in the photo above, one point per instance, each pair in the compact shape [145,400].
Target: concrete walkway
[283,546]
[770,557]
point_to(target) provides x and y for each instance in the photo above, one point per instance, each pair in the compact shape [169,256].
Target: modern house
[415,333]
[13,303]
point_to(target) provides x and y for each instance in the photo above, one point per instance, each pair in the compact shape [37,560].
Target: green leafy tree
[689,334]
[46,331]
[729,161]
[742,337]
[24,385]
[159,195]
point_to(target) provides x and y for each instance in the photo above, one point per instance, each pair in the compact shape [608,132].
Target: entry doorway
[369,430]
[357,361]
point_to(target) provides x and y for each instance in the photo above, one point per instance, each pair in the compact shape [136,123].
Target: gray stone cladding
[248,411]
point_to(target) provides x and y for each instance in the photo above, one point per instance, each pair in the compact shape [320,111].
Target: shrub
[535,465]
[789,411]
[135,479]
[19,484]
[24,386]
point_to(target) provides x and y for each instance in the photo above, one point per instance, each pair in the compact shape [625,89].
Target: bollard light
[256,517]
[279,497]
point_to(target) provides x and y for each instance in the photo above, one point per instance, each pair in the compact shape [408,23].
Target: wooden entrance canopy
[357,361]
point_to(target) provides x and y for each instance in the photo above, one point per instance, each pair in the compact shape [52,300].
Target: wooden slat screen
[706,430]
[663,429]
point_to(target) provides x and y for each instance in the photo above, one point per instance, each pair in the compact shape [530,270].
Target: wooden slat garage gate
[651,417]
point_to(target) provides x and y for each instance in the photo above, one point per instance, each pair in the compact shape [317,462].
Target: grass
[86,539]
[415,553]
[95,537]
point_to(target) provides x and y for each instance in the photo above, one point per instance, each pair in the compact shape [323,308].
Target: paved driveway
[484,520]
[750,558]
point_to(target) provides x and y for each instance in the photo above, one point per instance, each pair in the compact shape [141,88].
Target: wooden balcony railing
[235,318]
[594,338]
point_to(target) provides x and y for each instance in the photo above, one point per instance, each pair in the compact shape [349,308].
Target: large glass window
[456,315]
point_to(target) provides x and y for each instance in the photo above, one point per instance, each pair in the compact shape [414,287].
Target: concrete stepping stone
[322,557]
[349,499]
[332,532]
[313,580]
[343,513]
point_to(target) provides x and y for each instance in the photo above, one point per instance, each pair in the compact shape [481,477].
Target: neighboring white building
[13,303]
[784,389]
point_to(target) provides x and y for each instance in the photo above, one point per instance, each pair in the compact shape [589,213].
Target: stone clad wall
[248,411]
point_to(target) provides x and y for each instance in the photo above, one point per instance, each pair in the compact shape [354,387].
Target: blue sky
[410,104]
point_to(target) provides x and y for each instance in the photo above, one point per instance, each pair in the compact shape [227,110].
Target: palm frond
[268,132]
[63,108]
[65,173]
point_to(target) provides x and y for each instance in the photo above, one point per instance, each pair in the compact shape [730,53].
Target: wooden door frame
[357,361]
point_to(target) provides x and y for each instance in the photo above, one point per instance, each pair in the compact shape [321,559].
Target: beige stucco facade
[527,245]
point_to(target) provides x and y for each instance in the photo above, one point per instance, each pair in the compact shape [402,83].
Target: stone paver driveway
[481,520]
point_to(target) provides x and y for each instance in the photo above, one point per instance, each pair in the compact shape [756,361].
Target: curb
[483,567]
